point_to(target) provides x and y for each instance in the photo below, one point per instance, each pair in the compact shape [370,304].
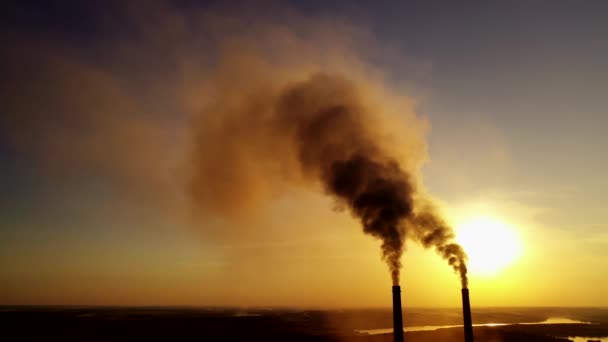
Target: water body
[551,320]
[585,339]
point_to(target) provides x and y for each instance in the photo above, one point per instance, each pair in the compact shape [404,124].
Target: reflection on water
[559,320]
[551,320]
[585,339]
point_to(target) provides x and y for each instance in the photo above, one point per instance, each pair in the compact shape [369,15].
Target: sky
[102,106]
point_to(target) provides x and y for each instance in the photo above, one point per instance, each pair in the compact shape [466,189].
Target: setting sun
[490,243]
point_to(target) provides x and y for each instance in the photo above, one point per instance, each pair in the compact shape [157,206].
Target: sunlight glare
[490,244]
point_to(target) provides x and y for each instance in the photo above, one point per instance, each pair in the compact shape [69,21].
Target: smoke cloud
[279,104]
[267,127]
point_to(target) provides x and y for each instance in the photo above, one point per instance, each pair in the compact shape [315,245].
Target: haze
[508,125]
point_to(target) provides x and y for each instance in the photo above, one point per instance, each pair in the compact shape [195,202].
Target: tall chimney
[466,315]
[397,314]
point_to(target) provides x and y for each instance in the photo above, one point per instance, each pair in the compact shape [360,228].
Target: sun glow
[490,243]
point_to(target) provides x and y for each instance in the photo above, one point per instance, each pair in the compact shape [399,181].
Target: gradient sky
[514,92]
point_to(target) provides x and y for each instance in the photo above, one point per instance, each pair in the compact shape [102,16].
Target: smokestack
[466,315]
[397,314]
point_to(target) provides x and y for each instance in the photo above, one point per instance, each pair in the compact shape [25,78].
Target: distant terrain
[272,324]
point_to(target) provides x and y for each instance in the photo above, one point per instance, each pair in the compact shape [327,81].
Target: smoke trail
[333,144]
[304,111]
[432,231]
[270,122]
[323,123]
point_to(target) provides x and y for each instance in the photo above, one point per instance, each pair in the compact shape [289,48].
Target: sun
[490,243]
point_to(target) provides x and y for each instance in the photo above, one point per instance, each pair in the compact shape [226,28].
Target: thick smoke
[279,100]
[282,104]
[317,127]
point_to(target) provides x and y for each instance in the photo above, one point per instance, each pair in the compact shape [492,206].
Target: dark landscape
[266,324]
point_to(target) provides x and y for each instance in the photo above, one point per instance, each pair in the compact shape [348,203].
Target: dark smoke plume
[322,124]
[282,104]
[432,231]
[265,127]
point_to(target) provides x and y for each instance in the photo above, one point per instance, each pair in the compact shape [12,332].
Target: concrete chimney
[466,315]
[397,314]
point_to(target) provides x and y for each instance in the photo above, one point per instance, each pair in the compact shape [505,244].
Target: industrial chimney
[466,315]
[397,314]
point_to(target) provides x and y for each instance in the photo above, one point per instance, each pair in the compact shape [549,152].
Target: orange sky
[93,208]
